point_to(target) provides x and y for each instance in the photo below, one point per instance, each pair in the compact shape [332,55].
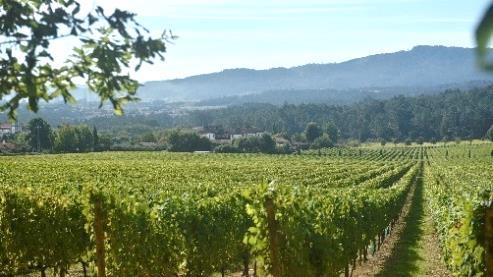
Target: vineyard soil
[416,252]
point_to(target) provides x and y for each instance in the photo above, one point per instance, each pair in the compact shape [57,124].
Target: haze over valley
[420,70]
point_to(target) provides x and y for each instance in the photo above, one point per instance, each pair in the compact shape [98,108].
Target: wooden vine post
[274,248]
[99,222]
[488,238]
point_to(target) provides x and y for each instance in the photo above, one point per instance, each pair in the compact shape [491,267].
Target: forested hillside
[422,67]
[333,96]
[448,115]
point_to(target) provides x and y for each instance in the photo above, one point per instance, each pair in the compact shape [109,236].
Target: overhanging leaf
[484,32]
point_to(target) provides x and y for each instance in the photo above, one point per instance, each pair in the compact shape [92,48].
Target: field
[321,213]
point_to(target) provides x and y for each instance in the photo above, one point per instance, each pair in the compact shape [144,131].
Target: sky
[220,34]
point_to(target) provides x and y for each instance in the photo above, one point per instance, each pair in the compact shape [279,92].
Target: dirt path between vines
[412,249]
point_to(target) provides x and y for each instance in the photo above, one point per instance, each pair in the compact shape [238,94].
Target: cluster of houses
[9,129]
[225,137]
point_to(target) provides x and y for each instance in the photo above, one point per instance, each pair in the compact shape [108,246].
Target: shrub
[322,142]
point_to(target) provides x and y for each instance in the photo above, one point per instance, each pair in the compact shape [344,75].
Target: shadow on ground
[407,256]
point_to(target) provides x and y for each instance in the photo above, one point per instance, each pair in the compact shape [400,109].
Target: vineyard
[321,213]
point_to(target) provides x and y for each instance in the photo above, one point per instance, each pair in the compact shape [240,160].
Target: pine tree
[95,139]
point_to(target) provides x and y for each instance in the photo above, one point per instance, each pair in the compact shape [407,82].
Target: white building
[210,136]
[246,135]
[8,129]
[257,134]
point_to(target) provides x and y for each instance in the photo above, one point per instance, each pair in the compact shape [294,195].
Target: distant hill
[335,97]
[423,68]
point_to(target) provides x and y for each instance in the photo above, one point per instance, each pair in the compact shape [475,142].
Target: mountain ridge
[422,67]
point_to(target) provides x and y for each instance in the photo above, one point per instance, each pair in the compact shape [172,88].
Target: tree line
[40,137]
[453,114]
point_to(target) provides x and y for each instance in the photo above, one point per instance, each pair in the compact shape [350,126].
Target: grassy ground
[416,252]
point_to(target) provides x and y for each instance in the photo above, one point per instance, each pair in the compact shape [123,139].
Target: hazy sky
[219,34]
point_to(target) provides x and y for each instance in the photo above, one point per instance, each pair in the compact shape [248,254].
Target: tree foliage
[109,46]
[332,132]
[74,139]
[256,144]
[40,135]
[484,32]
[312,131]
[179,141]
[148,137]
[95,138]
[323,141]
[451,114]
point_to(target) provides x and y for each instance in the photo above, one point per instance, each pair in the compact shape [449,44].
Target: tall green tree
[312,131]
[104,142]
[332,132]
[256,144]
[74,139]
[40,135]
[323,141]
[109,46]
[85,138]
[95,138]
[179,141]
[66,139]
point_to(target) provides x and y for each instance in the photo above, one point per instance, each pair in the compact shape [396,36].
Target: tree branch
[18,41]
